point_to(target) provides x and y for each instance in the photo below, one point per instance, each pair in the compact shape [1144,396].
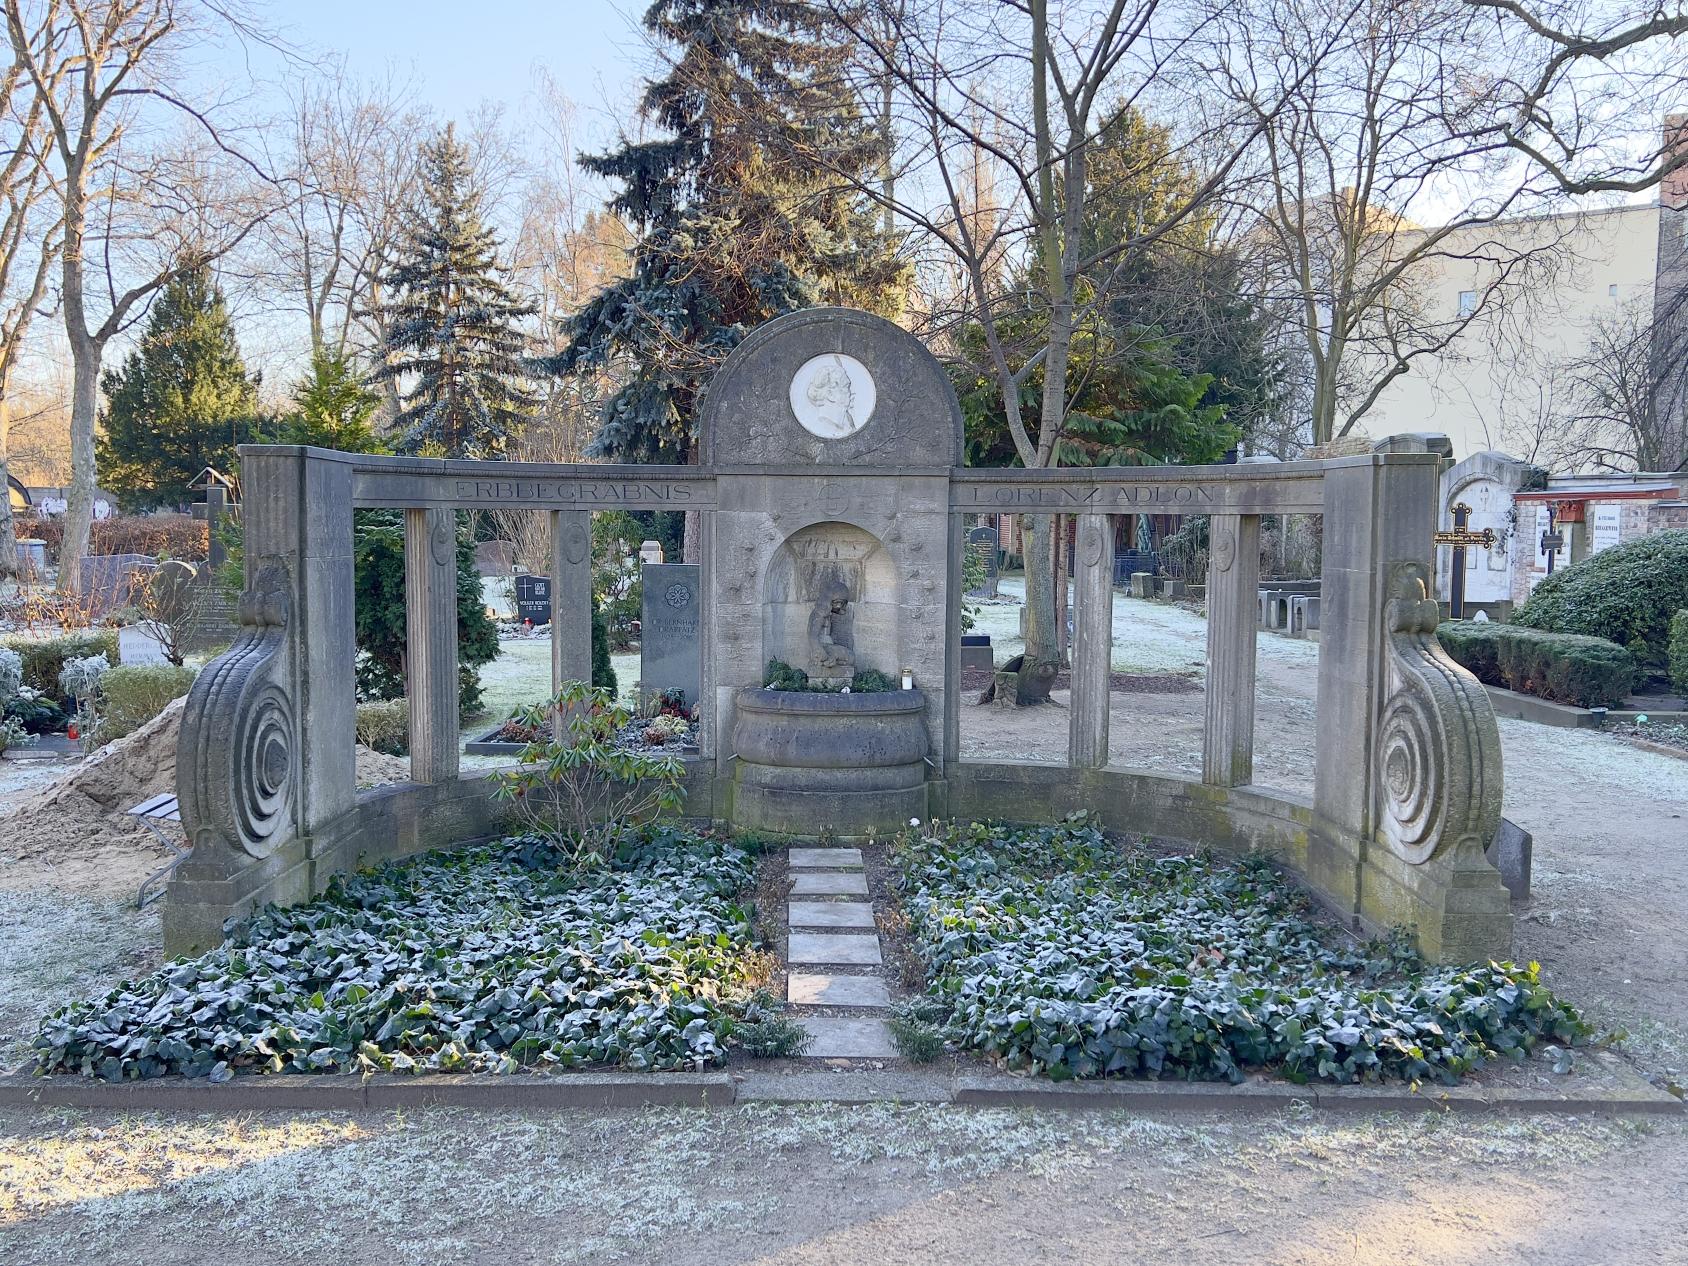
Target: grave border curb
[331,1092]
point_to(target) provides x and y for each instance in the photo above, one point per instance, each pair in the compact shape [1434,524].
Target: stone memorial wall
[831,506]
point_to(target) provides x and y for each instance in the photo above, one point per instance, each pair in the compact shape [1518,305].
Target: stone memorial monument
[830,498]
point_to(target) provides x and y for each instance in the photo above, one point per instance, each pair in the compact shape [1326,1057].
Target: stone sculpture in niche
[832,652]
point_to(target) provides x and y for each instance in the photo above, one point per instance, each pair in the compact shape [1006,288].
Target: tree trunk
[1040,587]
[8,529]
[79,500]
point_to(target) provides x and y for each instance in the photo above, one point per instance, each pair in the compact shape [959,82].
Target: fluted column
[430,608]
[1233,586]
[1093,643]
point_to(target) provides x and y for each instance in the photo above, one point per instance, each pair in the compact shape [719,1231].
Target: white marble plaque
[833,395]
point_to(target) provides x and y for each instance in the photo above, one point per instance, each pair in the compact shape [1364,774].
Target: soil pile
[84,810]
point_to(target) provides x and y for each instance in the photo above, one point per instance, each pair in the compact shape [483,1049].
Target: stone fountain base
[809,762]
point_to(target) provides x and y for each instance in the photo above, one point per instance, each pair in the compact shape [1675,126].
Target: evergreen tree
[181,402]
[453,341]
[739,211]
[332,408]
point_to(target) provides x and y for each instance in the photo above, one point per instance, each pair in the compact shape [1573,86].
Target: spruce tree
[740,212]
[453,337]
[332,408]
[182,400]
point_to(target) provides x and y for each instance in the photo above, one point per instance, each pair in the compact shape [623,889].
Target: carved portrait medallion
[833,395]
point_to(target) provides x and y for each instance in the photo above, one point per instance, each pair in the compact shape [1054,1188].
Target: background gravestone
[495,558]
[670,643]
[533,599]
[111,580]
[983,543]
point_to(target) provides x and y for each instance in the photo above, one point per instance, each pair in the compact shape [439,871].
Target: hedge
[1679,652]
[133,694]
[1587,672]
[43,658]
[1626,594]
[385,726]
[160,535]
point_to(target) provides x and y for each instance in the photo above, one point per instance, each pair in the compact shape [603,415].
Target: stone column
[1093,642]
[571,599]
[430,609]
[265,758]
[1233,587]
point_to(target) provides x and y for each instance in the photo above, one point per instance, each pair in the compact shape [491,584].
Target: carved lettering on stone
[236,755]
[1438,763]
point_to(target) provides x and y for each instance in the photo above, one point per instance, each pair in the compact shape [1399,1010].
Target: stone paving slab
[812,948]
[824,858]
[829,914]
[844,1037]
[829,883]
[804,989]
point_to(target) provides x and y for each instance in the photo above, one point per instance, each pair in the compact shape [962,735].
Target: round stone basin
[807,761]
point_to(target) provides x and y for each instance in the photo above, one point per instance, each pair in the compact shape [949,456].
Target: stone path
[832,949]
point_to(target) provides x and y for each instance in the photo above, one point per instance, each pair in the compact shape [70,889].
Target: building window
[1467,302]
[1612,291]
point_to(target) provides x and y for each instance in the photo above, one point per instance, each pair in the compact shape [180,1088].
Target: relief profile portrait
[832,395]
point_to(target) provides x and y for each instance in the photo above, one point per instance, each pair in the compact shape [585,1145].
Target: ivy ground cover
[1061,951]
[498,957]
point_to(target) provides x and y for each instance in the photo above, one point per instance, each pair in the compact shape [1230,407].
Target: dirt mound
[84,810]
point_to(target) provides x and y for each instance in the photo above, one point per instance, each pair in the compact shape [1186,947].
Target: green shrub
[1679,652]
[766,1032]
[1626,594]
[131,695]
[585,790]
[779,675]
[385,727]
[44,658]
[1586,672]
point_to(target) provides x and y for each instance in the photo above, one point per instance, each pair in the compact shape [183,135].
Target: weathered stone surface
[845,1037]
[1233,577]
[806,989]
[430,602]
[829,914]
[820,883]
[671,630]
[841,948]
[824,858]
[1093,642]
[571,598]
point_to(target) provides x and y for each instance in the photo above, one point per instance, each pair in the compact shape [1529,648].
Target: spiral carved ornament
[236,760]
[1437,755]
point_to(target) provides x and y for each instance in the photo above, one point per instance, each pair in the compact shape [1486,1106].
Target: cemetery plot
[1059,951]
[499,957]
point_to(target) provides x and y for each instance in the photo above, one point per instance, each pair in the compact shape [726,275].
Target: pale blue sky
[458,54]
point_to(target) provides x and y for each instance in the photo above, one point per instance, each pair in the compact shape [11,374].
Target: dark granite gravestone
[670,640]
[110,581]
[533,599]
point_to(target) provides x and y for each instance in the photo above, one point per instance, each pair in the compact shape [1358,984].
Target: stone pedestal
[853,764]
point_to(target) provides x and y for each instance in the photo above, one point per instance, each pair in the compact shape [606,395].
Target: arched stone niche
[801,573]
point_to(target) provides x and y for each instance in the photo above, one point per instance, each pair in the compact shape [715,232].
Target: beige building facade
[1541,288]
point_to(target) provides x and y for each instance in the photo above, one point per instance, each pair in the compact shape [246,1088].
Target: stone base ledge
[1521,707]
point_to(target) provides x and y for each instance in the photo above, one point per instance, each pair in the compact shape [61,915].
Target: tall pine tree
[740,213]
[181,402]
[453,337]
